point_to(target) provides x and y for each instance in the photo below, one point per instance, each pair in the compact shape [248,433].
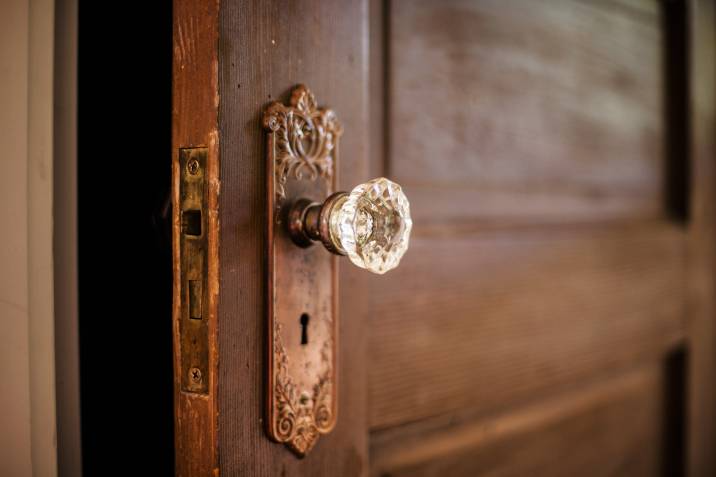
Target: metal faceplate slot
[193,325]
[302,282]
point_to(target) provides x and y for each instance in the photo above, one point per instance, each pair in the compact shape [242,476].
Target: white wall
[15,458]
[27,379]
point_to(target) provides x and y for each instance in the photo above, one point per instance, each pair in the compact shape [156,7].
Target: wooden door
[554,313]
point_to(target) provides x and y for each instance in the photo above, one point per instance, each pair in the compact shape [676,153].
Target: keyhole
[304,328]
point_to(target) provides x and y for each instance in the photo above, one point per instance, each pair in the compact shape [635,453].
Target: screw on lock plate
[193,246]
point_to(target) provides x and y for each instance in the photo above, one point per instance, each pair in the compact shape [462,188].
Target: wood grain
[581,432]
[266,48]
[702,240]
[531,141]
[478,320]
[545,284]
[525,111]
[194,123]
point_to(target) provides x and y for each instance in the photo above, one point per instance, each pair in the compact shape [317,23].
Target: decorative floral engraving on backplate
[302,415]
[302,154]
[305,138]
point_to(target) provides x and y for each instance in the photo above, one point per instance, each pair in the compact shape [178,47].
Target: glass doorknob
[371,224]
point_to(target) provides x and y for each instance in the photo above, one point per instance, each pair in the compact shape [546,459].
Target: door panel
[544,289]
[581,432]
[472,321]
[505,111]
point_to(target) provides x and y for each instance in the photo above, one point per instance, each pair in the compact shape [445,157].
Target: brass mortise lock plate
[193,260]
[302,155]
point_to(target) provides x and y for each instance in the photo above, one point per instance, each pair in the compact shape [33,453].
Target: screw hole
[304,328]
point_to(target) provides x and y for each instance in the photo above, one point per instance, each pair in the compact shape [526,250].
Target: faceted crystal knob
[371,224]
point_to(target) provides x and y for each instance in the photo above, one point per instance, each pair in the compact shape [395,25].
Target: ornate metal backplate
[302,153]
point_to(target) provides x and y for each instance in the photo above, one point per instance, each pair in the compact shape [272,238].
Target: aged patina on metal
[310,221]
[302,153]
[193,246]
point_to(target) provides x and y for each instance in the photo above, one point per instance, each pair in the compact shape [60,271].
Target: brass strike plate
[302,155]
[193,248]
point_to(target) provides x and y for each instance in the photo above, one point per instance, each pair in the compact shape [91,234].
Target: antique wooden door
[554,312]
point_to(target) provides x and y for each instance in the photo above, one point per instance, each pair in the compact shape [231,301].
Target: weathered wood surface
[525,111]
[194,124]
[474,321]
[702,241]
[611,427]
[534,143]
[266,48]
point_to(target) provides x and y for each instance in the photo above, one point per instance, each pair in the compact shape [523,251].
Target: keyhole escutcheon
[304,328]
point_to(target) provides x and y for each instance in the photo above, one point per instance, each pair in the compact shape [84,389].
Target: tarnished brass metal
[302,282]
[193,325]
[309,222]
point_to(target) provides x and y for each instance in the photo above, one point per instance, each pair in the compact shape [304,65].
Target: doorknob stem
[310,222]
